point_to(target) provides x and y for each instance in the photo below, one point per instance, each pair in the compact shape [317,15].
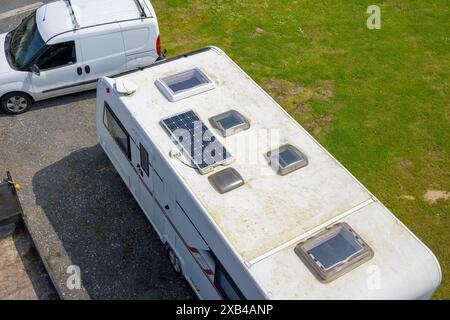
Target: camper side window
[145,164]
[117,130]
[226,286]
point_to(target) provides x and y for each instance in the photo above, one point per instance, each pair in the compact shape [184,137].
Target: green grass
[376,99]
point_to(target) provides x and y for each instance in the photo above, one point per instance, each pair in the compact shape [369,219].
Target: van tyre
[174,261]
[16,103]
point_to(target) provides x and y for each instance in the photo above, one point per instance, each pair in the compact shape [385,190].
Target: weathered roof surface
[402,268]
[269,210]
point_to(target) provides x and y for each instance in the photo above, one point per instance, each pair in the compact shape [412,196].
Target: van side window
[58,55]
[226,286]
[117,130]
[145,164]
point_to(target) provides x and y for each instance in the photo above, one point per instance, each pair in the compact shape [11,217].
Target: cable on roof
[177,155]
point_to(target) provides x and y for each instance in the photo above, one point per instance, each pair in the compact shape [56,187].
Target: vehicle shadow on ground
[58,102]
[104,231]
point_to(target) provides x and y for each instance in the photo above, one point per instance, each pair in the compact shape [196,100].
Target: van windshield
[25,42]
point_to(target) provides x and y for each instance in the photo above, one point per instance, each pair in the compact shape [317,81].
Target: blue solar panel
[196,140]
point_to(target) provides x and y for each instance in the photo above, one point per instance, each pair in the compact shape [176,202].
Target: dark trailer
[10,208]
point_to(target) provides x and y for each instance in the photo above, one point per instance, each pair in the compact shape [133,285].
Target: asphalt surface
[77,209]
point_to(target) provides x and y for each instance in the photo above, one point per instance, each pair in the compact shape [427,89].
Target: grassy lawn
[378,100]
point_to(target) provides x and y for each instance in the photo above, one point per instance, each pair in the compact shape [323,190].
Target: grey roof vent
[229,123]
[286,159]
[184,85]
[334,252]
[226,180]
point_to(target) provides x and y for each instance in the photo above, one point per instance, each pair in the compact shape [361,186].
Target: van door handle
[79,71]
[87,69]
[140,170]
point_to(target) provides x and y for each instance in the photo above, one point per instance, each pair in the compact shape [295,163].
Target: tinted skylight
[334,252]
[196,141]
[230,122]
[185,84]
[286,159]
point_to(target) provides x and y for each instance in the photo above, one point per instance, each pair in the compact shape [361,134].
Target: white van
[241,216]
[66,46]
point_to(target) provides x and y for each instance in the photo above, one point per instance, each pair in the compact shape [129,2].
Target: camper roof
[269,214]
[62,16]
[268,210]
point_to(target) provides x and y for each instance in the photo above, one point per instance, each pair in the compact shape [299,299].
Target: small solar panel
[196,141]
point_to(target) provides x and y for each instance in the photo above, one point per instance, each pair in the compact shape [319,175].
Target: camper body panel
[255,228]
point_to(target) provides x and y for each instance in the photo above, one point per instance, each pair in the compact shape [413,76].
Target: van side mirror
[35,69]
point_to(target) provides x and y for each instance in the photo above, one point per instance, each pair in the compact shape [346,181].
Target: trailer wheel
[16,103]
[174,261]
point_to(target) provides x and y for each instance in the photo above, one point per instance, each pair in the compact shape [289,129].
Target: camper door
[143,166]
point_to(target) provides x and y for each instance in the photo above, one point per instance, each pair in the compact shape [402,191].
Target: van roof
[55,18]
[266,217]
[268,210]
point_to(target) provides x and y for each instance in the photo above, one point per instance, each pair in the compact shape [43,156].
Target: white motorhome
[67,45]
[290,222]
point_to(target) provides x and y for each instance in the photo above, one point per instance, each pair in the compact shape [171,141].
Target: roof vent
[286,159]
[229,123]
[125,86]
[334,252]
[184,85]
[226,180]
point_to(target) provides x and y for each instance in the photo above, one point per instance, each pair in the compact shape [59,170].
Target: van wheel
[16,103]
[174,261]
